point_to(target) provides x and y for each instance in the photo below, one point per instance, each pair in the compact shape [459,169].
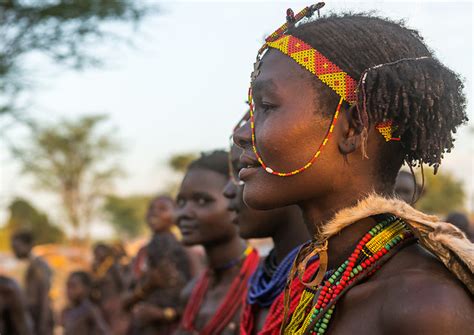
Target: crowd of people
[349,255]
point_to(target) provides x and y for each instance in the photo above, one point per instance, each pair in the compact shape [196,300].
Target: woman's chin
[259,200]
[189,241]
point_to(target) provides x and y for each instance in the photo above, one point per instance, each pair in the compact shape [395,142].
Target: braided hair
[422,97]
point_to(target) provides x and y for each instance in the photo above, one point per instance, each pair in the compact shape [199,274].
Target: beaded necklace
[275,315]
[263,289]
[236,261]
[270,264]
[266,290]
[373,249]
[229,305]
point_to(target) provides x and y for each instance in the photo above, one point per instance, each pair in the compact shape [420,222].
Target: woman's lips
[247,172]
[187,229]
[251,166]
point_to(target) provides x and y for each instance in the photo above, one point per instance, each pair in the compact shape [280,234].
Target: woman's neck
[318,212]
[220,254]
[289,234]
[164,231]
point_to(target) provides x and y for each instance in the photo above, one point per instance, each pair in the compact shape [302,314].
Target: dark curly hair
[424,98]
[84,277]
[216,161]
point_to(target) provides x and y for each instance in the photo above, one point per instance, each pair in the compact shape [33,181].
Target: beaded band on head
[312,60]
[329,73]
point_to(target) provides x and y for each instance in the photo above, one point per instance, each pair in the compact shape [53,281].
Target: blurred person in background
[81,316]
[124,262]
[405,187]
[160,219]
[461,221]
[286,228]
[107,287]
[216,299]
[155,302]
[161,269]
[37,283]
[14,316]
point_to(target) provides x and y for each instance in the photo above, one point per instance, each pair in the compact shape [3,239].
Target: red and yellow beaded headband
[316,63]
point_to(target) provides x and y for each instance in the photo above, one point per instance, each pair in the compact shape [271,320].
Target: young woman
[37,283]
[81,316]
[156,297]
[14,315]
[338,104]
[107,286]
[286,228]
[216,300]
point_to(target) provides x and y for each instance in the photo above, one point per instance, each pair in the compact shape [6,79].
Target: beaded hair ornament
[316,63]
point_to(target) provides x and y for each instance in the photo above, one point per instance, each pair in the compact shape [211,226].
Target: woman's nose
[230,190]
[243,136]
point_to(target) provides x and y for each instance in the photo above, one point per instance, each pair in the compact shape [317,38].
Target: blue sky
[183,84]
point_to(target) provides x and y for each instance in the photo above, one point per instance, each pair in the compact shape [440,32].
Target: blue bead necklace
[263,287]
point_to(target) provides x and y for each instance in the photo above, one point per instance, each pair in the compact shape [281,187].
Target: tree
[75,160]
[127,214]
[24,216]
[63,30]
[443,194]
[179,162]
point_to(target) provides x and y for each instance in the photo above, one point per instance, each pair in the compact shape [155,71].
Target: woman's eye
[201,201]
[265,107]
[180,203]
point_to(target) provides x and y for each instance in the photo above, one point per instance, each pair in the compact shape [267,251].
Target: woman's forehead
[202,179]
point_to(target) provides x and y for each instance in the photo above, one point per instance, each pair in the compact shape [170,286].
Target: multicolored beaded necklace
[275,314]
[230,303]
[264,287]
[375,247]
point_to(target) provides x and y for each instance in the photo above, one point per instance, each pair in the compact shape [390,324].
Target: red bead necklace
[230,304]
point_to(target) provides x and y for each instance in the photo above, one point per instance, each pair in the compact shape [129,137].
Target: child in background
[81,316]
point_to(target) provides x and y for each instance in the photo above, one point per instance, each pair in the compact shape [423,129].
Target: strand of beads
[361,259]
[372,246]
[275,315]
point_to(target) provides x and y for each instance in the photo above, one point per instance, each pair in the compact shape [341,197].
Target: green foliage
[127,214]
[179,162]
[73,159]
[443,194]
[23,216]
[64,31]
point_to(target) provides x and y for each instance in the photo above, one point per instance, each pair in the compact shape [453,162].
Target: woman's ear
[352,130]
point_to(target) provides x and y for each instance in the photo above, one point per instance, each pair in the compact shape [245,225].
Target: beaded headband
[319,65]
[315,62]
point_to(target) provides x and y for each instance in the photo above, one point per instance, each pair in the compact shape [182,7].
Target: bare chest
[211,303]
[358,312]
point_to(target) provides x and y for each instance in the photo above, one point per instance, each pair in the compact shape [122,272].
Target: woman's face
[252,223]
[160,215]
[202,212]
[75,289]
[291,121]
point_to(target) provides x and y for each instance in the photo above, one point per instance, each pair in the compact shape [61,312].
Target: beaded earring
[387,129]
